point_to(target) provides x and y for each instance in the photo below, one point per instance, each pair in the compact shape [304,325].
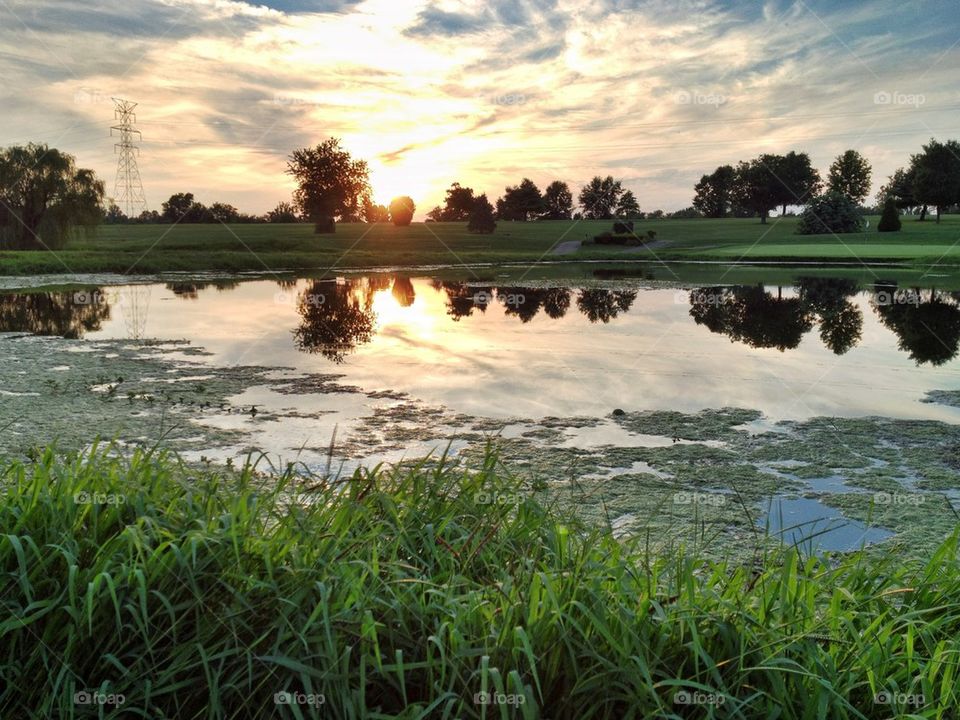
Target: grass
[146,249]
[402,593]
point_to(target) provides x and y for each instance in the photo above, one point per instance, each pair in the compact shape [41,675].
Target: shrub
[890,220]
[832,212]
[401,210]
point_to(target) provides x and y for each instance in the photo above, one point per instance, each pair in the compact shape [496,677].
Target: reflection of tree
[841,322]
[463,299]
[526,302]
[604,305]
[67,314]
[403,291]
[287,283]
[556,302]
[335,318]
[928,329]
[191,290]
[752,316]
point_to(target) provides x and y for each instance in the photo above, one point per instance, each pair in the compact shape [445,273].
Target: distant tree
[331,185]
[599,197]
[833,212]
[890,220]
[481,217]
[458,203]
[284,212]
[148,217]
[714,192]
[181,207]
[850,176]
[436,214]
[557,201]
[627,206]
[899,188]
[656,215]
[224,213]
[756,187]
[687,213]
[796,180]
[523,202]
[44,196]
[401,210]
[936,174]
[375,212]
[114,215]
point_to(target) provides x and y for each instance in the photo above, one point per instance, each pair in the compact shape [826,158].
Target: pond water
[384,353]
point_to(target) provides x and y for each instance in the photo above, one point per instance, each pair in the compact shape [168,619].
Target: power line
[128,188]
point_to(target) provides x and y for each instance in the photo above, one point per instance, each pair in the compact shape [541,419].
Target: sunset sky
[482,92]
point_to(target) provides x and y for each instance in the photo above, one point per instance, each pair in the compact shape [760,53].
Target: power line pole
[128,188]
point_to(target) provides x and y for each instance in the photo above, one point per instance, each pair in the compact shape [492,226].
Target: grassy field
[138,587]
[148,249]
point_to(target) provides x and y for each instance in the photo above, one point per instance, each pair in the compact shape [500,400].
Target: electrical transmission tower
[128,189]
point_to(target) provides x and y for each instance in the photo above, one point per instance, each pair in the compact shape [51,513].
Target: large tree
[797,179]
[44,196]
[599,197]
[850,175]
[899,188]
[756,186]
[182,207]
[458,203]
[936,174]
[627,206]
[523,202]
[331,185]
[557,201]
[714,192]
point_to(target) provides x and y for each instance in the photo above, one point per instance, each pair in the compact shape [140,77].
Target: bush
[890,220]
[401,210]
[830,213]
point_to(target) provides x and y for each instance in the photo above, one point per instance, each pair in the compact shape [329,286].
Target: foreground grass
[406,593]
[145,249]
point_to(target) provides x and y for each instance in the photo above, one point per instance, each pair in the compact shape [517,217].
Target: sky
[483,92]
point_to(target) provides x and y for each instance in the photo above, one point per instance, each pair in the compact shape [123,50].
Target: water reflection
[335,317]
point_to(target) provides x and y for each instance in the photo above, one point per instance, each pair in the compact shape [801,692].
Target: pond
[606,381]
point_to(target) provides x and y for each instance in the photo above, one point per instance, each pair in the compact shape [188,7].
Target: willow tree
[44,197]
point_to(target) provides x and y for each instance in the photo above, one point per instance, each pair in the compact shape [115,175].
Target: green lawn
[156,248]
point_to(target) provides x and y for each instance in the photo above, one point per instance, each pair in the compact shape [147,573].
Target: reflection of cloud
[227,89]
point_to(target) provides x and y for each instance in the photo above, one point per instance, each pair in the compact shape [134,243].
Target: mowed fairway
[143,249]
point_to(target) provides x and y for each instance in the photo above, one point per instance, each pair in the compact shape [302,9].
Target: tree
[798,179]
[714,192]
[224,213]
[890,220]
[833,212]
[44,196]
[627,206]
[284,212]
[599,197]
[334,319]
[481,217]
[936,179]
[114,215]
[330,184]
[401,210]
[523,202]
[181,207]
[436,215]
[850,175]
[557,201]
[756,187]
[899,188]
[374,212]
[458,203]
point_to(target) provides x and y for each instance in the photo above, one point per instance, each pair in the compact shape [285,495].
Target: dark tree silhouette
[556,302]
[929,330]
[66,314]
[403,291]
[841,322]
[751,315]
[335,318]
[604,305]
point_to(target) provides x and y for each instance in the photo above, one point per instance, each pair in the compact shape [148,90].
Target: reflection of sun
[414,319]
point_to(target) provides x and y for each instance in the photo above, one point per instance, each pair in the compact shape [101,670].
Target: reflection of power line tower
[135,306]
[128,189]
